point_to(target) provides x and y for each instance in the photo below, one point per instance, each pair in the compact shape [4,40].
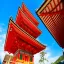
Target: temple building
[21,38]
[52,15]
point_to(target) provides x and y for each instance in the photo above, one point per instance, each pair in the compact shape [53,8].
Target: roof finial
[22,1]
[11,18]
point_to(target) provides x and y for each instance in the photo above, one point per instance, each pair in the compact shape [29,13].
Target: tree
[42,58]
[52,63]
[60,59]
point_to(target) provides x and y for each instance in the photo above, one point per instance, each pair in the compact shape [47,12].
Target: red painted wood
[29,15]
[17,38]
[26,24]
[54,21]
[56,27]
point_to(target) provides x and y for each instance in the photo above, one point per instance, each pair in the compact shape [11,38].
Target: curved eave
[27,22]
[42,7]
[52,14]
[29,14]
[21,32]
[50,6]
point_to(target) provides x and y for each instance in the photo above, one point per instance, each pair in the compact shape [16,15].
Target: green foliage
[42,58]
[61,58]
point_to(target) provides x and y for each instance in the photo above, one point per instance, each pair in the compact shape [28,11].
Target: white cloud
[0,41]
[1,47]
[36,58]
[2,36]
[52,59]
[2,55]
[48,56]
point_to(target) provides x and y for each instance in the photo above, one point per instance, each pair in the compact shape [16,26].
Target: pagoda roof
[52,15]
[29,14]
[51,7]
[17,38]
[27,24]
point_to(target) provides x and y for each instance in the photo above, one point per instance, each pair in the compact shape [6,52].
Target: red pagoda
[21,37]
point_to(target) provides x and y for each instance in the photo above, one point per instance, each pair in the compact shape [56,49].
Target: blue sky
[9,8]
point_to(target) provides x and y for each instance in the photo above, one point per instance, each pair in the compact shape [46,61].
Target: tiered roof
[24,22]
[52,15]
[29,15]
[22,33]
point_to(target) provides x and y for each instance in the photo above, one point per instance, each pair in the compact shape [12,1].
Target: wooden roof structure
[17,38]
[52,15]
[22,33]
[29,14]
[23,21]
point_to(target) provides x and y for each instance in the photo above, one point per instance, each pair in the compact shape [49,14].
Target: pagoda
[51,13]
[21,38]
